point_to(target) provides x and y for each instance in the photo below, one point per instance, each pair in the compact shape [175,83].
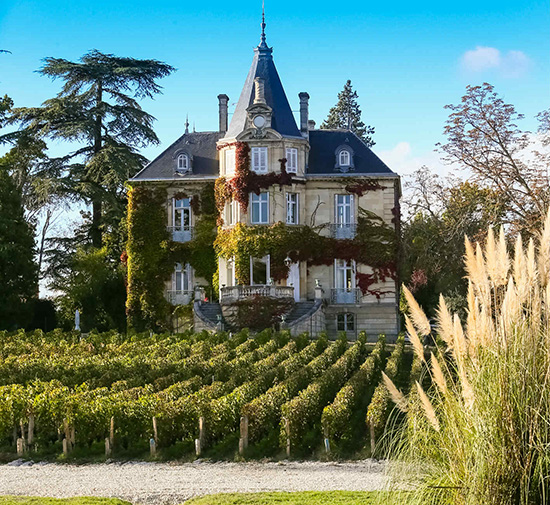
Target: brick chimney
[222,102]
[304,110]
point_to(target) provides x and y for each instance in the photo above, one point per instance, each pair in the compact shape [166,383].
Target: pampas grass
[481,433]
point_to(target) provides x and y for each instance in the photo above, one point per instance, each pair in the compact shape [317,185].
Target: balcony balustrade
[179,297]
[345,295]
[343,230]
[181,233]
[230,294]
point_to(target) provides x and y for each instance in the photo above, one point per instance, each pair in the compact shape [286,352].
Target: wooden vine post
[112,433]
[287,430]
[326,439]
[199,442]
[372,438]
[155,431]
[20,446]
[30,432]
[243,441]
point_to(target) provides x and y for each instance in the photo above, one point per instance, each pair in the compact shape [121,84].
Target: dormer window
[344,158]
[183,164]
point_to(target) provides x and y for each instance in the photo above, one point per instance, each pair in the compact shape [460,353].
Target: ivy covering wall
[152,254]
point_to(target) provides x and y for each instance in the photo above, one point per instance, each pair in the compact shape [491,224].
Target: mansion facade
[306,216]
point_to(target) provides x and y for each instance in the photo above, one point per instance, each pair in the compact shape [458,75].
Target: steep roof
[200,146]
[263,67]
[322,154]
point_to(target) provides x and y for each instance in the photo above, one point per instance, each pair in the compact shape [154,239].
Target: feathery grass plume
[470,259]
[397,396]
[460,346]
[482,282]
[473,317]
[491,257]
[444,322]
[438,376]
[532,271]
[521,277]
[510,309]
[503,260]
[466,388]
[490,445]
[544,252]
[420,320]
[428,407]
[415,339]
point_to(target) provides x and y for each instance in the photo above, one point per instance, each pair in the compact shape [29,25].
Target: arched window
[344,158]
[183,162]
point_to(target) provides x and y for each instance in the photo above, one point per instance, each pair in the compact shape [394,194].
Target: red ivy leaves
[246,181]
[361,187]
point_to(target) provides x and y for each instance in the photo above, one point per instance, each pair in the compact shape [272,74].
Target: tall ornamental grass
[481,433]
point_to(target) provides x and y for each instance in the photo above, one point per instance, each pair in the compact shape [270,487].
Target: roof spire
[187,123]
[263,45]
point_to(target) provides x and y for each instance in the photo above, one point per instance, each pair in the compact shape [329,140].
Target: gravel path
[170,483]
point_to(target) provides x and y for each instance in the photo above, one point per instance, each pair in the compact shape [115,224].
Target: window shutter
[263,159]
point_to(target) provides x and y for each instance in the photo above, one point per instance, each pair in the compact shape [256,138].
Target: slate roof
[282,119]
[322,154]
[201,146]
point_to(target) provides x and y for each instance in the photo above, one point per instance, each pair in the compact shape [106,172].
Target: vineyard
[195,394]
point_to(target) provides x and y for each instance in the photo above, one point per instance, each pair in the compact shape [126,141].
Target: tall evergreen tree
[346,115]
[18,273]
[98,109]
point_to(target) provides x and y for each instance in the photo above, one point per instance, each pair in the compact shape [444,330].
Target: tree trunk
[97,204]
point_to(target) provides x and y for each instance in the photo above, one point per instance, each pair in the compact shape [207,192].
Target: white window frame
[292,208]
[347,318]
[345,267]
[343,203]
[258,158]
[292,160]
[183,162]
[232,212]
[182,278]
[229,161]
[261,201]
[344,158]
[184,208]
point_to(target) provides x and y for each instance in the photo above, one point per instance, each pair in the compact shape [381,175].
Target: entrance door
[293,279]
[259,271]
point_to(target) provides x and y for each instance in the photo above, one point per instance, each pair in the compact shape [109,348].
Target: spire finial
[187,123]
[262,43]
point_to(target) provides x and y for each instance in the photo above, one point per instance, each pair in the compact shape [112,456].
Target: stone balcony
[231,294]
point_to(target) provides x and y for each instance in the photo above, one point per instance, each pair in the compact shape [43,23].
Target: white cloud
[404,161]
[481,59]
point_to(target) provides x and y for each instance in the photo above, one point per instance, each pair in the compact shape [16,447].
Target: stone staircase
[300,309]
[206,315]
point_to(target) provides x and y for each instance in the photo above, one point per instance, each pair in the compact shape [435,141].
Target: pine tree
[346,115]
[98,109]
[18,272]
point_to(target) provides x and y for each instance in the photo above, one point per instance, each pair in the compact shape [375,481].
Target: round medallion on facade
[259,121]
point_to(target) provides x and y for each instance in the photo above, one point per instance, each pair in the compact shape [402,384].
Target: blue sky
[405,59]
